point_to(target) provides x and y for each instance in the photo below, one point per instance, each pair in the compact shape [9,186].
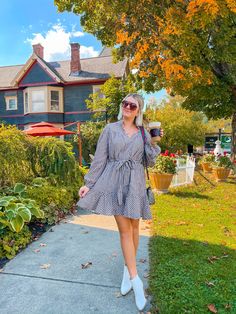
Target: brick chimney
[75,65]
[38,50]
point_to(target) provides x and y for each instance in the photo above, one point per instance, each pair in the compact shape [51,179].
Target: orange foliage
[231,5]
[196,6]
[172,69]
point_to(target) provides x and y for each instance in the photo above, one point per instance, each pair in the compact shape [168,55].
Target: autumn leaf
[86,265]
[45,266]
[210,284]
[118,294]
[212,259]
[212,308]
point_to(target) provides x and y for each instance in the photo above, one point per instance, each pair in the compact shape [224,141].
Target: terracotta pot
[206,166]
[221,173]
[160,181]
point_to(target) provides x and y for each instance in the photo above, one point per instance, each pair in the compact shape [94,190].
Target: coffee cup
[155,130]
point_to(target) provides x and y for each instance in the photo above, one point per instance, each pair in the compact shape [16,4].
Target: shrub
[55,201]
[11,242]
[14,164]
[51,156]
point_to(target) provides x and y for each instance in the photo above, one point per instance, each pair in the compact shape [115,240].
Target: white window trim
[94,90]
[47,92]
[8,98]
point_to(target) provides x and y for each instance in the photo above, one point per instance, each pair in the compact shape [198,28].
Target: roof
[106,51]
[100,67]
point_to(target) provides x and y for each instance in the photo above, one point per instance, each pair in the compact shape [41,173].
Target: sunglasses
[132,106]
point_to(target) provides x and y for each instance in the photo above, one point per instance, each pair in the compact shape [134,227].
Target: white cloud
[56,43]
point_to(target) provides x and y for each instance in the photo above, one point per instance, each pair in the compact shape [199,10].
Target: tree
[114,91]
[187,47]
[182,127]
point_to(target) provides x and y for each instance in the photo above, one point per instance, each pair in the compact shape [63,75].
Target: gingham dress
[116,177]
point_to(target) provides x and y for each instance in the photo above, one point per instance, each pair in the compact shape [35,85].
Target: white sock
[140,299]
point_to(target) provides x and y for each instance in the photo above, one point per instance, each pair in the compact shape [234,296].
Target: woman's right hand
[83,191]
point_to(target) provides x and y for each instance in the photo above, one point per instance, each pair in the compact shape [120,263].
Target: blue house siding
[51,117]
[74,97]
[3,105]
[36,75]
[74,101]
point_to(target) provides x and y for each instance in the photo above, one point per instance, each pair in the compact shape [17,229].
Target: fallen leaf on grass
[210,284]
[212,308]
[36,250]
[181,223]
[228,306]
[211,259]
[43,244]
[45,266]
[86,265]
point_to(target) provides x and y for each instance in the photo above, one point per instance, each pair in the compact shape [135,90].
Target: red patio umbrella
[46,129]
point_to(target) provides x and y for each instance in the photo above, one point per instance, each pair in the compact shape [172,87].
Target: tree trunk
[233,143]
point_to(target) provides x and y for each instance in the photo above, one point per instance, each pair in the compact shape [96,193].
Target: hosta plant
[16,210]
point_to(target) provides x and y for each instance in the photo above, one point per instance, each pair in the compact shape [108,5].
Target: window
[26,101]
[97,89]
[11,102]
[38,101]
[54,100]
[43,99]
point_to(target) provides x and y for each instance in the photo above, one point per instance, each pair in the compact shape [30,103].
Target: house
[54,91]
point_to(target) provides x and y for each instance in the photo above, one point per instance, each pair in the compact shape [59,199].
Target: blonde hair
[139,119]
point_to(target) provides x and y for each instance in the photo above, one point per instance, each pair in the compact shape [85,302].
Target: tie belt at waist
[124,176]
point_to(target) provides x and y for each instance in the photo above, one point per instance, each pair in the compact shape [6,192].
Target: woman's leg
[135,225]
[127,244]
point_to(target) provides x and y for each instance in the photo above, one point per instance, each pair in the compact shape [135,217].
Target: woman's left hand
[158,138]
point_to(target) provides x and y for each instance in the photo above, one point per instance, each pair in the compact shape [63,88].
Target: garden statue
[218,150]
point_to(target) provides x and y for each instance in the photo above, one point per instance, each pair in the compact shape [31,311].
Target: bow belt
[124,167]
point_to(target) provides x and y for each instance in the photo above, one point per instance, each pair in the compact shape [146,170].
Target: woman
[116,185]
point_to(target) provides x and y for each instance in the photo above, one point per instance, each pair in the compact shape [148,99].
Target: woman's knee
[124,226]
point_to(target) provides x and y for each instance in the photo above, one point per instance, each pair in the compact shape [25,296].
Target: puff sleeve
[100,159]
[152,151]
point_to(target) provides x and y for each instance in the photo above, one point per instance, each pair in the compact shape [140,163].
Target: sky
[27,22]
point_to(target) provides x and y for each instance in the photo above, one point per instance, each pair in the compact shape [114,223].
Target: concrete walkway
[64,286]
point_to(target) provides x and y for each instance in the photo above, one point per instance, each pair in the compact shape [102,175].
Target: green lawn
[192,250]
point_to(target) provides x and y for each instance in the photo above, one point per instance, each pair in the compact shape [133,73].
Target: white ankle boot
[140,299]
[126,285]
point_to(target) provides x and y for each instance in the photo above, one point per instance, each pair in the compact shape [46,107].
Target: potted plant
[222,167]
[206,162]
[162,172]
